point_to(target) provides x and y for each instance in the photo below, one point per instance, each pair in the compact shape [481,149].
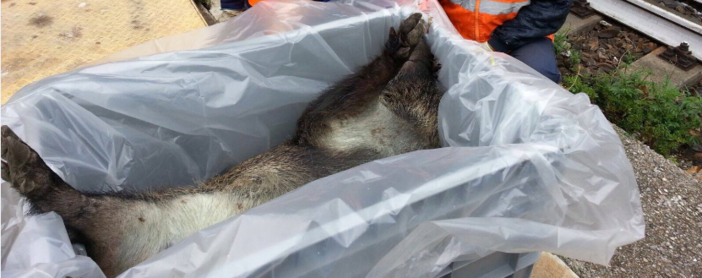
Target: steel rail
[650,24]
[668,15]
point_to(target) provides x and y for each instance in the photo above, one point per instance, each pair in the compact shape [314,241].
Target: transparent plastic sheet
[527,166]
[38,246]
[172,118]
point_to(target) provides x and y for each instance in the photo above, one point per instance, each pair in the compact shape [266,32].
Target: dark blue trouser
[233,4]
[540,56]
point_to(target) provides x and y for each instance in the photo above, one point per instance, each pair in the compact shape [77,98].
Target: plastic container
[526,166]
[495,265]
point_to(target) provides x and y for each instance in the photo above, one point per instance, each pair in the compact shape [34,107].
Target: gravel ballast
[672,205]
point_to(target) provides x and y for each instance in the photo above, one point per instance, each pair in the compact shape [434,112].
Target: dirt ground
[672,204]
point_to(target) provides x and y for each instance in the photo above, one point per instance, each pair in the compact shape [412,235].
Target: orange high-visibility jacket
[506,24]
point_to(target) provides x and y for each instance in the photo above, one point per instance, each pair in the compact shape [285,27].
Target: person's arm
[538,19]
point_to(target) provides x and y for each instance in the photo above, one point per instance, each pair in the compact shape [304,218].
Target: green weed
[575,59]
[575,84]
[628,59]
[561,45]
[659,114]
[560,41]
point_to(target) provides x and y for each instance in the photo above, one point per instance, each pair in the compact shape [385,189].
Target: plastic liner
[38,246]
[526,167]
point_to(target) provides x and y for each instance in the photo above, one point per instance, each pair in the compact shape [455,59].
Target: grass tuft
[658,114]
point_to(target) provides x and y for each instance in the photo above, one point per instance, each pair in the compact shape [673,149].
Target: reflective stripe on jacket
[476,19]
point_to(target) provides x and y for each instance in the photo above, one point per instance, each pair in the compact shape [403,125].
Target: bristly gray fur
[388,107]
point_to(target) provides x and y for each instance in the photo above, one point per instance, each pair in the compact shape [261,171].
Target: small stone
[592,44]
[602,56]
[605,23]
[82,5]
[590,62]
[608,34]
[618,42]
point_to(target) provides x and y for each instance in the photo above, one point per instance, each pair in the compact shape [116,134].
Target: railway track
[661,12]
[654,21]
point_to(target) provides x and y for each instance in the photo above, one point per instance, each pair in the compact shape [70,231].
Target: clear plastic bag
[527,166]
